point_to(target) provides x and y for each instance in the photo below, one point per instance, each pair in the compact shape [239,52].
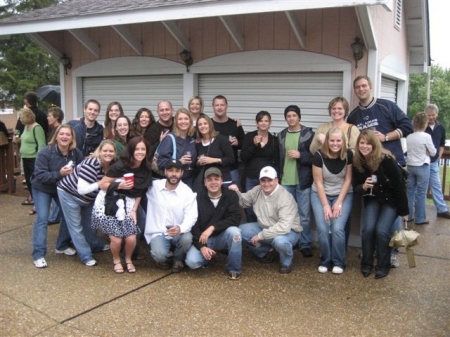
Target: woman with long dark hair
[113,111]
[141,122]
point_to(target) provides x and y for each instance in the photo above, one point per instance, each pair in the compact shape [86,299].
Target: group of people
[185,195]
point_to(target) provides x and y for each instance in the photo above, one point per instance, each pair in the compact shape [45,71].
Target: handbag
[111,198]
[154,165]
[406,238]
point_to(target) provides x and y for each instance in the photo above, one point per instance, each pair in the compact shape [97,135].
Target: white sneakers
[91,263]
[40,263]
[336,270]
[68,251]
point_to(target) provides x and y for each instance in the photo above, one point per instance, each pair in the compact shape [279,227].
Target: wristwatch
[386,138]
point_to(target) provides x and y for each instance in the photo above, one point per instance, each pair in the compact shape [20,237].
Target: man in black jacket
[31,101]
[216,227]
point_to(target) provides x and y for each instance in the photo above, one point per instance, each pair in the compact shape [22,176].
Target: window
[398,14]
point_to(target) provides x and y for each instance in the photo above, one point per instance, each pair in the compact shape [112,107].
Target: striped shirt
[89,170]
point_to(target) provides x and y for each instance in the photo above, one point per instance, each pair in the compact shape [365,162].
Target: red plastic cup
[129,177]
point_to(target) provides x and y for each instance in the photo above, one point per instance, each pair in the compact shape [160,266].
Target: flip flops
[28,202]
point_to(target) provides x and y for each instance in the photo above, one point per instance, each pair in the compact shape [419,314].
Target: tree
[440,93]
[24,66]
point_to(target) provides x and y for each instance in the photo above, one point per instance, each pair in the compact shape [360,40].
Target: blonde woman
[195,108]
[182,136]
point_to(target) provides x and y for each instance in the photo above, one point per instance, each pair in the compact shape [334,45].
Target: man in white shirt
[171,213]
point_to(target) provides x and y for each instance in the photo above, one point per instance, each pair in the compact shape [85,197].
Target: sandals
[32,212]
[118,268]
[130,267]
[28,202]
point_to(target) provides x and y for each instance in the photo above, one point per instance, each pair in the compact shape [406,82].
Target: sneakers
[105,248]
[177,266]
[40,263]
[68,251]
[394,261]
[337,270]
[322,269]
[444,215]
[91,263]
[232,275]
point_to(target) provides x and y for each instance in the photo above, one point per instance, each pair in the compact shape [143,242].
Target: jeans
[160,247]
[249,184]
[235,176]
[418,179]
[377,230]
[303,199]
[229,240]
[436,188]
[54,215]
[283,244]
[78,217]
[28,170]
[42,203]
[331,235]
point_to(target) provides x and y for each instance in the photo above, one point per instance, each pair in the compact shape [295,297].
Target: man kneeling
[278,227]
[216,227]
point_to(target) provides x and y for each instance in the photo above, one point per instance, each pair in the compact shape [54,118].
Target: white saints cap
[268,172]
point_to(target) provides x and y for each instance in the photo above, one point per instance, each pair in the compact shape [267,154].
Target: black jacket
[226,214]
[87,143]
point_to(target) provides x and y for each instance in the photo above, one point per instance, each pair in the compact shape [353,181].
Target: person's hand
[234,141]
[207,253]
[174,230]
[255,240]
[367,184]
[327,213]
[233,187]
[163,135]
[204,160]
[125,185]
[257,140]
[380,136]
[294,154]
[321,138]
[65,170]
[133,216]
[337,210]
[206,234]
[186,160]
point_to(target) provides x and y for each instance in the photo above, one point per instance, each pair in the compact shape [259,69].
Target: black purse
[111,198]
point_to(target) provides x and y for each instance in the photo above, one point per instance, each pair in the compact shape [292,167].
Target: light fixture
[187,58]
[65,61]
[357,48]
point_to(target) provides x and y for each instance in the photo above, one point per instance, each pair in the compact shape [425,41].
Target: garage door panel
[134,92]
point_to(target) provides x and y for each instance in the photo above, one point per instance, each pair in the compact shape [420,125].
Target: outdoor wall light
[65,61]
[357,48]
[187,58]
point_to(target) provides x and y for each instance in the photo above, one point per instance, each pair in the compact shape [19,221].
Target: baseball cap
[173,163]
[213,170]
[268,172]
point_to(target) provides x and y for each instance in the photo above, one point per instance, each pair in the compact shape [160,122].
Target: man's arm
[190,212]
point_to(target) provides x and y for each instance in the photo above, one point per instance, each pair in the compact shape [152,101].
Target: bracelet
[340,205]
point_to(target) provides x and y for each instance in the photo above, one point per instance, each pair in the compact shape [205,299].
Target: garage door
[134,92]
[247,94]
[388,89]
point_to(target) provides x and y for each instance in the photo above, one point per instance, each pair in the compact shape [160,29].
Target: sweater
[47,166]
[390,187]
[31,141]
[385,116]
[255,157]
[277,213]
[226,214]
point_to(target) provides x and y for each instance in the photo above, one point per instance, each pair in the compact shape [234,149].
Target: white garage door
[388,89]
[134,92]
[247,94]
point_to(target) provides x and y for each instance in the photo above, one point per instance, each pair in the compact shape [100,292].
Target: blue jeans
[235,176]
[229,240]
[249,184]
[54,215]
[78,217]
[378,227]
[283,244]
[332,235]
[160,247]
[418,179]
[42,203]
[436,188]
[303,199]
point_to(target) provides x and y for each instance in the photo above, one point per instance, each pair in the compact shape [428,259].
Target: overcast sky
[439,30]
